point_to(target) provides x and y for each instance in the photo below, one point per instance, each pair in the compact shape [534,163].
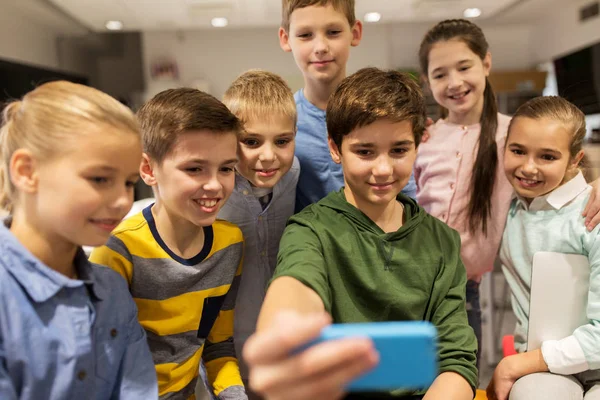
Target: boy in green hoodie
[367,253]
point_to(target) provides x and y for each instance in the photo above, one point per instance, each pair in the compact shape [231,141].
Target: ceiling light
[472,12]
[372,17]
[114,25]
[219,22]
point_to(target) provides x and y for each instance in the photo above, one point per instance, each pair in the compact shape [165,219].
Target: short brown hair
[372,94]
[259,94]
[289,6]
[175,111]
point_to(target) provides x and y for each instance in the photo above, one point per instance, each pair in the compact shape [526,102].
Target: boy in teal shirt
[367,253]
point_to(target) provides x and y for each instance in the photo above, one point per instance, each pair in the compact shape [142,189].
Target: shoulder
[439,231]
[503,123]
[131,227]
[226,233]
[110,280]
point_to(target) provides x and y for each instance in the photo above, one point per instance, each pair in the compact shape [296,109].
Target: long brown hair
[483,177]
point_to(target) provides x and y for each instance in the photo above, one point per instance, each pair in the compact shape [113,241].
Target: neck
[318,92]
[471,117]
[181,236]
[389,217]
[51,249]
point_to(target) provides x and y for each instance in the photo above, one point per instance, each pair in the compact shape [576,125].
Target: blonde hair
[259,94]
[175,111]
[289,6]
[48,117]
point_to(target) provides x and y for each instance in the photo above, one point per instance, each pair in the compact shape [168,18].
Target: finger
[345,357]
[589,204]
[288,331]
[593,221]
[428,122]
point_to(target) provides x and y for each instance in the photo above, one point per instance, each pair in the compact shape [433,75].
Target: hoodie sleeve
[301,257]
[457,344]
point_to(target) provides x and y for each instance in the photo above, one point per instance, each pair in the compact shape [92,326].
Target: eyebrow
[247,134]
[547,150]
[203,162]
[371,145]
[458,63]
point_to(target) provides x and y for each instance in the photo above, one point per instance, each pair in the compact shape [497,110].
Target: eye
[400,150]
[364,153]
[438,76]
[98,180]
[227,170]
[548,157]
[304,35]
[282,142]
[464,68]
[518,152]
[250,142]
[334,32]
[130,184]
[193,170]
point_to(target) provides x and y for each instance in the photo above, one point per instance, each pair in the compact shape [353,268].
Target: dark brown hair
[483,176]
[370,95]
[288,6]
[175,111]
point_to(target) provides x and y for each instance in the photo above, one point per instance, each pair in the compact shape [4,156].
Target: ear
[336,155]
[147,170]
[357,30]
[487,63]
[577,159]
[284,40]
[24,173]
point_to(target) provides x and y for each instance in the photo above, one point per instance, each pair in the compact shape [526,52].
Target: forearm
[287,293]
[449,386]
[526,363]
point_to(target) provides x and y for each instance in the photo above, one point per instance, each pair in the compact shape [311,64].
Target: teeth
[528,181]
[207,203]
[458,96]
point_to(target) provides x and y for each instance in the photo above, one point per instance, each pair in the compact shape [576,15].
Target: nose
[321,44]
[383,167]
[123,199]
[530,167]
[267,153]
[213,184]
[454,80]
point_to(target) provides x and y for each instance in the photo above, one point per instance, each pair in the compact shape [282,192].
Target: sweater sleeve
[581,350]
[457,344]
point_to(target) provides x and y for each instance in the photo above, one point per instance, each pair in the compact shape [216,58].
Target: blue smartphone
[407,353]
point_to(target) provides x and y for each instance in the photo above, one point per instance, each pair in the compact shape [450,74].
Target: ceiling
[148,15]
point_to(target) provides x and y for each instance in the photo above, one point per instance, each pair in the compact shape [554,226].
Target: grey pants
[548,386]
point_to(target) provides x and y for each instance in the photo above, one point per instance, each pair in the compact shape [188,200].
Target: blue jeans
[474,313]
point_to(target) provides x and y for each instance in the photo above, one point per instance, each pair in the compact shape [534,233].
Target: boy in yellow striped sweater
[183,266]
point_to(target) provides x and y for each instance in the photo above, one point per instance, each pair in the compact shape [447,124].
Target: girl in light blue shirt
[542,155]
[68,329]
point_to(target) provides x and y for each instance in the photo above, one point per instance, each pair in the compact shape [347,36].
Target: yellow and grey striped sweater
[185,305]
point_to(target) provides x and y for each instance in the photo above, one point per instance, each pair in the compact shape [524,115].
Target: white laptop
[559,293]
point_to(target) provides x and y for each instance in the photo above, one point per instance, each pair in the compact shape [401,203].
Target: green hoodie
[363,274]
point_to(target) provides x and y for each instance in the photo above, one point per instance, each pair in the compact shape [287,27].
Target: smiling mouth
[208,205]
[382,186]
[106,224]
[459,95]
[267,172]
[528,182]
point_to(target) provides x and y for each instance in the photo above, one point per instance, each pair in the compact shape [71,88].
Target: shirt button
[81,375]
[452,186]
[245,192]
[464,128]
[443,216]
[458,155]
[114,333]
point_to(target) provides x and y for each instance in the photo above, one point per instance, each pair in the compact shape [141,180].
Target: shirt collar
[559,197]
[37,279]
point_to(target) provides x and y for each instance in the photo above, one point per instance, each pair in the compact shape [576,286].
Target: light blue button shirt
[64,338]
[319,175]
[262,230]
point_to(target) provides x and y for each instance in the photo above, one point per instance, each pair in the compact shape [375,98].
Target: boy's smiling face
[266,149]
[320,38]
[377,160]
[196,177]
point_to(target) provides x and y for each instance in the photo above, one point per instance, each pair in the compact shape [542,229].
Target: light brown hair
[372,94]
[557,109]
[260,94]
[175,111]
[346,7]
[46,119]
[483,177]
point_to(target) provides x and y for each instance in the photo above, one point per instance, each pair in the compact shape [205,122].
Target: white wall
[559,31]
[32,37]
[218,56]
